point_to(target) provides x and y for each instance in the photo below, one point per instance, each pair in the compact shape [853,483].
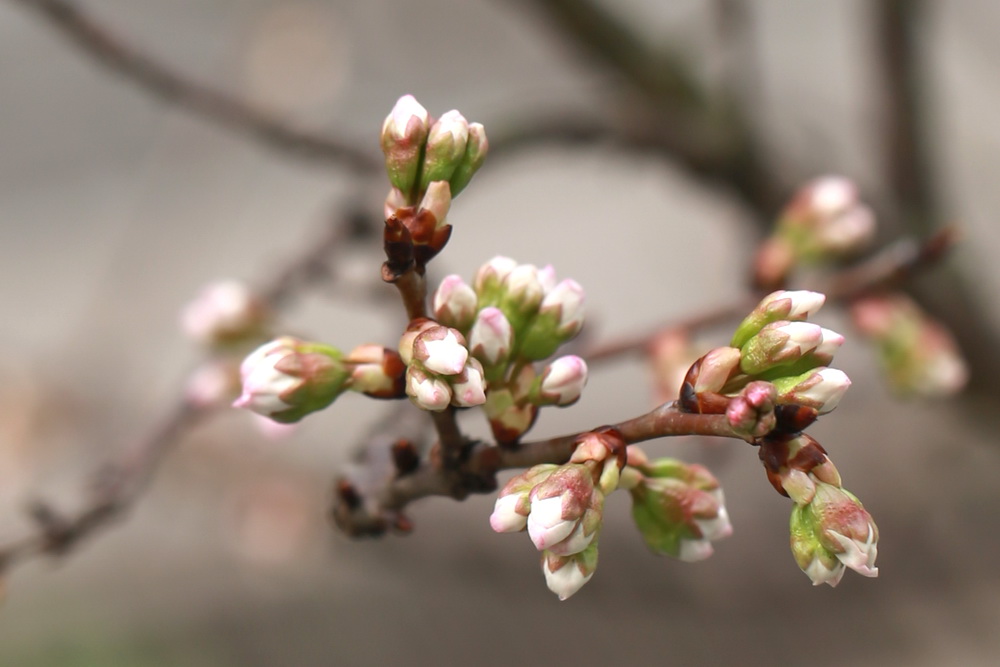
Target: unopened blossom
[566,510]
[787,305]
[441,350]
[491,337]
[287,379]
[446,143]
[225,312]
[468,388]
[716,369]
[560,317]
[565,575]
[832,532]
[510,417]
[490,278]
[454,303]
[751,412]
[510,514]
[426,390]
[437,201]
[522,294]
[779,344]
[403,135]
[376,371]
[827,218]
[475,154]
[678,519]
[562,381]
[821,388]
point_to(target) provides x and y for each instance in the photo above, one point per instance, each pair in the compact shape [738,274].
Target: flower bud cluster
[513,315]
[439,370]
[678,507]
[287,378]
[775,358]
[918,354]
[561,507]
[825,220]
[420,151]
[830,528]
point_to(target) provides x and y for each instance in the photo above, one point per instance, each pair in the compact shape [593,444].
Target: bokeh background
[117,205]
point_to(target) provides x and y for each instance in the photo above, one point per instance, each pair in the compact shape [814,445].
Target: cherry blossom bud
[446,144]
[510,514]
[454,303]
[437,201]
[509,417]
[394,201]
[821,388]
[490,278]
[376,371]
[565,575]
[522,295]
[795,464]
[717,367]
[559,319]
[919,355]
[562,382]
[225,312]
[287,379]
[475,154]
[681,511]
[779,344]
[832,532]
[566,510]
[441,350]
[781,305]
[403,135]
[426,390]
[751,413]
[826,218]
[468,388]
[491,337]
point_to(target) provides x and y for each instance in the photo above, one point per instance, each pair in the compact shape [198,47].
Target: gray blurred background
[116,206]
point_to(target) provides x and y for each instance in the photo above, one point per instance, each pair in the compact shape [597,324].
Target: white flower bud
[565,575]
[562,381]
[454,303]
[491,337]
[427,391]
[441,350]
[468,387]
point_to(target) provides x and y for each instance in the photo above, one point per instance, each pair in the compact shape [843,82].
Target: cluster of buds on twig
[919,355]
[830,528]
[774,374]
[428,163]
[678,507]
[513,315]
[561,507]
[825,220]
[439,370]
[287,379]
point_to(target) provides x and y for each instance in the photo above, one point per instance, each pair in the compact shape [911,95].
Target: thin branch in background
[119,484]
[150,74]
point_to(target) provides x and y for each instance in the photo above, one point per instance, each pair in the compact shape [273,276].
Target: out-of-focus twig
[119,484]
[157,78]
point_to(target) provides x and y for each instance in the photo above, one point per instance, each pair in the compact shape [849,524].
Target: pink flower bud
[446,143]
[403,135]
[490,277]
[491,337]
[475,154]
[779,343]
[821,389]
[565,575]
[469,387]
[376,371]
[225,312]
[441,350]
[565,510]
[717,367]
[427,391]
[437,201]
[454,303]
[783,305]
[562,381]
[523,289]
[751,413]
[566,302]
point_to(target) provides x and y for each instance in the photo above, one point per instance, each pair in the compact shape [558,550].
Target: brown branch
[370,516]
[158,79]
[119,484]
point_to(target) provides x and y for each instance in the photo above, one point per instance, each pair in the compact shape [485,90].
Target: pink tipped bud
[510,513]
[427,391]
[751,413]
[826,218]
[446,143]
[717,367]
[437,201]
[441,350]
[523,291]
[491,276]
[565,512]
[287,379]
[831,532]
[565,575]
[821,388]
[376,371]
[777,344]
[454,303]
[225,312]
[491,337]
[468,387]
[403,135]
[475,154]
[562,381]
[781,305]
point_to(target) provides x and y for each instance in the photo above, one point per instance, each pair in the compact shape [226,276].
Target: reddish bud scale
[775,453]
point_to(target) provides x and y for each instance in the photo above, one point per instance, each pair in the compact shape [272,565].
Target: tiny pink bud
[491,337]
[427,391]
[454,303]
[563,380]
[469,387]
[717,367]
